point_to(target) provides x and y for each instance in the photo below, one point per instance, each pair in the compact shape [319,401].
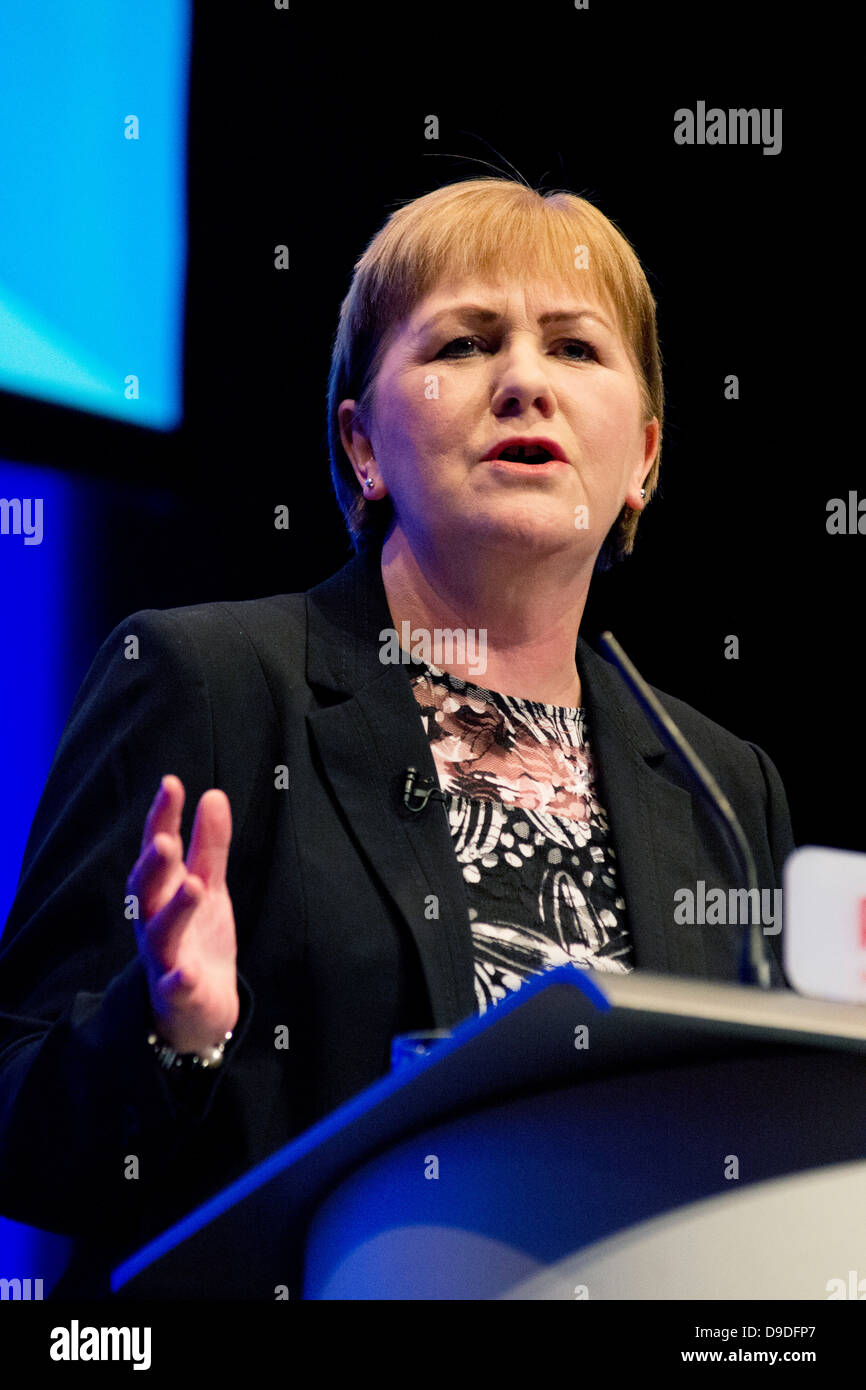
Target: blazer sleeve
[81,1094]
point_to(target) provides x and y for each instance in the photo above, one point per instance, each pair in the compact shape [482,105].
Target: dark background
[307,128]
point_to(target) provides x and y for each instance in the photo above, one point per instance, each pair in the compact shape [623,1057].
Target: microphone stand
[754,964]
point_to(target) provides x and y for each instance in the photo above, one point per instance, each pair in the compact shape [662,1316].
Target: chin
[523,532]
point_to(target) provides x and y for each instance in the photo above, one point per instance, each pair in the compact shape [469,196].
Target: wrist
[191,1030]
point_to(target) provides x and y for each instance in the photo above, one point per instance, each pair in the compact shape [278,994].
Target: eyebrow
[482,315]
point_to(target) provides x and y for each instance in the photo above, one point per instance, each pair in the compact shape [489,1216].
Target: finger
[165,809]
[211,838]
[162,934]
[157,873]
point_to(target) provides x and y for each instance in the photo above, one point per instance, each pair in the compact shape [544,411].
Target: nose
[522,377]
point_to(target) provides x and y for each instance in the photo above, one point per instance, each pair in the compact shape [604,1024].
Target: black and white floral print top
[528,830]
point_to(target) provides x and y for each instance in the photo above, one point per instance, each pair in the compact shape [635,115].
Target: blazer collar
[349,610]
[369,738]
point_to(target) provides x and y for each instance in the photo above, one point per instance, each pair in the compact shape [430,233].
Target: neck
[522,616]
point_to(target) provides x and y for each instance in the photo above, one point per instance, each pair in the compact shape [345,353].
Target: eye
[582,343]
[449,349]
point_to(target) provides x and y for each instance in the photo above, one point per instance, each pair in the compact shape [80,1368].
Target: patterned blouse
[528,830]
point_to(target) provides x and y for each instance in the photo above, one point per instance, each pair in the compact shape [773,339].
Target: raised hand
[186,927]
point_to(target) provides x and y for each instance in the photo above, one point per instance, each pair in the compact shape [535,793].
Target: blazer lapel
[366,742]
[650,818]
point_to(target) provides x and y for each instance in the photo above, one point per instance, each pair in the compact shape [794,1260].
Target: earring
[643,492]
[371,482]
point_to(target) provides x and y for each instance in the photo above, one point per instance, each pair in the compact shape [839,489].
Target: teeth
[522,452]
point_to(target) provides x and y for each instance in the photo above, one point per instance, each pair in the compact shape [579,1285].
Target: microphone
[415,798]
[754,962]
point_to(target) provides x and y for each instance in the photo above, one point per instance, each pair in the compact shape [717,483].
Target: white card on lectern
[824,940]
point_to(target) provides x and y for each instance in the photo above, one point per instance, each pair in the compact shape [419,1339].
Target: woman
[495,411]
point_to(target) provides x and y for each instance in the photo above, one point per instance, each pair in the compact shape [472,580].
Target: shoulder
[694,721]
[235,620]
[230,654]
[226,631]
[739,763]
[713,742]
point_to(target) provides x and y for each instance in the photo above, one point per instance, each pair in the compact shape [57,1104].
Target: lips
[526,449]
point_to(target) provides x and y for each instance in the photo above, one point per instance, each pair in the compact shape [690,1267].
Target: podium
[592,1136]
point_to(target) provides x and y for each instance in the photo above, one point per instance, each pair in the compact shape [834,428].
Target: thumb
[173,988]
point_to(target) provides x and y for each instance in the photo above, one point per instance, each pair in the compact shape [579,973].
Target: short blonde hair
[482,227]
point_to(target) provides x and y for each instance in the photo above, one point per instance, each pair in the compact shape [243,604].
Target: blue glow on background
[92,225]
[37,598]
[38,602]
[93,254]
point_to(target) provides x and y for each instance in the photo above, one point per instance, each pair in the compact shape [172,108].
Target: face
[475,364]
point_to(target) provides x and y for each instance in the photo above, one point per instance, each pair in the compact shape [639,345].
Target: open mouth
[526,453]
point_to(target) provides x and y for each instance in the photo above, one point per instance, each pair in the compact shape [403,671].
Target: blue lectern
[592,1136]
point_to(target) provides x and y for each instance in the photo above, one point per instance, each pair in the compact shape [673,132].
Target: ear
[643,466]
[359,448]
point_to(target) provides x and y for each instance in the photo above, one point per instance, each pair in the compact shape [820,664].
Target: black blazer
[329,878]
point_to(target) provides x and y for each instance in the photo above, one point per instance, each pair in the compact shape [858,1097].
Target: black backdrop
[307,127]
